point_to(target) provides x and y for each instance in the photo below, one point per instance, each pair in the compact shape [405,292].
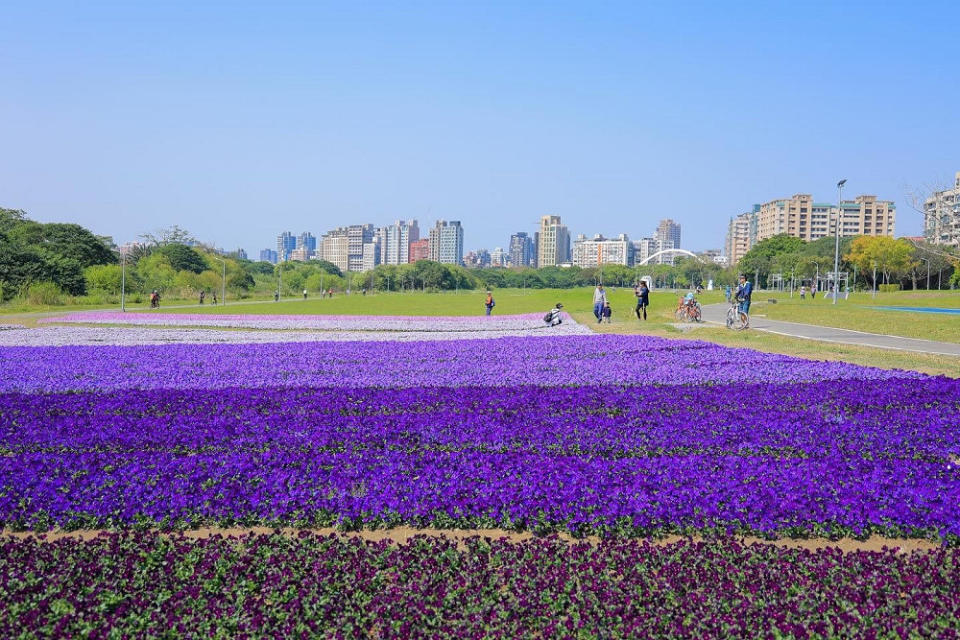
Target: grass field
[857,313]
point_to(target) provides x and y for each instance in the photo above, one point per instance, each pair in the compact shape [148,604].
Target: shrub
[887,288]
[44,293]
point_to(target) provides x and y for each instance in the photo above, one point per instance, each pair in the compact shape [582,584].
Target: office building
[336,248]
[371,254]
[941,216]
[306,240]
[286,242]
[522,250]
[268,255]
[396,239]
[553,246]
[499,257]
[446,242]
[598,251]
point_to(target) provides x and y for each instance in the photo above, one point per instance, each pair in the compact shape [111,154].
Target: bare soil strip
[402,535]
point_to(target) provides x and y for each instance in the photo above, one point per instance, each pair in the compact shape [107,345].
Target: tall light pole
[123,279]
[816,282]
[927,260]
[836,246]
[223,281]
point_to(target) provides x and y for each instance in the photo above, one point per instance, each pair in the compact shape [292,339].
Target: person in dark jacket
[643,299]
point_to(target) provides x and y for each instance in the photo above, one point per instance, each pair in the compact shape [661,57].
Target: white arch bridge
[683,252]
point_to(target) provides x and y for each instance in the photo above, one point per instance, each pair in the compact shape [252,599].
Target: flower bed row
[146,585]
[836,458]
[318,322]
[554,361]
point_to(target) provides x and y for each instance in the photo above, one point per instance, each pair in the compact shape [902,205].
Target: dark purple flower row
[567,360]
[145,585]
[832,458]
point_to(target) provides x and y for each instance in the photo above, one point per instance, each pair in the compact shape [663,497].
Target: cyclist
[744,291]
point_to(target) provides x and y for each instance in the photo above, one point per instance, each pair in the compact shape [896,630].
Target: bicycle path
[717,314]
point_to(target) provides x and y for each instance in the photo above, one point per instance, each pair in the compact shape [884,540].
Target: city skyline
[608,117]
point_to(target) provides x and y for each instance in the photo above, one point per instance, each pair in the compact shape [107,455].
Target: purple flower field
[148,585]
[618,436]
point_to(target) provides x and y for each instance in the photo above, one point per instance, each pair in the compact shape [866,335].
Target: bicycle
[689,312]
[735,320]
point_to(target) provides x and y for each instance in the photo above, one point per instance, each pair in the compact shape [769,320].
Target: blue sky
[239,121]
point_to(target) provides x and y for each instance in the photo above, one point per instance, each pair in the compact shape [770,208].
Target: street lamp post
[223,281]
[816,281]
[927,260]
[123,279]
[836,246]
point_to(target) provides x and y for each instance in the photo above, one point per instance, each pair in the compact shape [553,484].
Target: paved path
[717,313]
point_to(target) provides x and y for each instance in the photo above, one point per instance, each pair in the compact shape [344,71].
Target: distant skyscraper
[499,257]
[668,232]
[446,242]
[268,255]
[553,247]
[521,250]
[306,240]
[396,239]
[286,242]
[346,247]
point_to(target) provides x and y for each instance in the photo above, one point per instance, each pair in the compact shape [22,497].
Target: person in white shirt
[599,299]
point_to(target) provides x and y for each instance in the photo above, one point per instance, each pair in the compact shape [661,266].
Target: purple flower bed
[320,322]
[794,459]
[146,585]
[554,361]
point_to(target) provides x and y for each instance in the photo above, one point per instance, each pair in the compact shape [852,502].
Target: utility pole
[123,278]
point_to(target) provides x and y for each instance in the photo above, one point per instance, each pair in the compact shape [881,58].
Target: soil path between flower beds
[403,534]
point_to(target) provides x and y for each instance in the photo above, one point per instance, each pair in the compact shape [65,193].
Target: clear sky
[240,121]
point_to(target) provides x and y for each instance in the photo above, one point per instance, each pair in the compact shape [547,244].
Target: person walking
[813,292]
[304,294]
[599,298]
[643,300]
[202,296]
[727,293]
[489,303]
[213,296]
[607,312]
[803,292]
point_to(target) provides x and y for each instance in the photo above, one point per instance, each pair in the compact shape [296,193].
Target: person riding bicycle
[744,291]
[690,300]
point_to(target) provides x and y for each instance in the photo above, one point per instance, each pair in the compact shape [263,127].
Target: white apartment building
[396,239]
[941,216]
[803,218]
[597,251]
[446,242]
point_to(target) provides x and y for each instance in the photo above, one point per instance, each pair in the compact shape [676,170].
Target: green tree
[183,258]
[74,242]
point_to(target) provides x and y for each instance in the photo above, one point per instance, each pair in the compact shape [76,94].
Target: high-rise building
[599,251]
[499,257]
[446,242]
[336,248]
[803,218]
[268,255]
[941,216]
[371,254]
[358,235]
[741,235]
[522,250]
[396,239]
[668,233]
[646,248]
[553,247]
[419,250]
[306,240]
[286,242]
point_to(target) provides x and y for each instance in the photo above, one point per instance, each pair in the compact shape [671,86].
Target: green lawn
[463,303]
[857,313]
